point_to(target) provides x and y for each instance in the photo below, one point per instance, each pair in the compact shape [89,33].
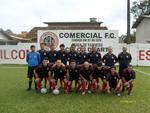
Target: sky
[23,15]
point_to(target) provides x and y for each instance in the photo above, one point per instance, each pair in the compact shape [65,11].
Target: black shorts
[43,76]
[30,72]
[103,77]
[112,85]
[73,78]
[56,77]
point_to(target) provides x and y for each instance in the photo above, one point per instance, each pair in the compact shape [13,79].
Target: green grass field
[15,99]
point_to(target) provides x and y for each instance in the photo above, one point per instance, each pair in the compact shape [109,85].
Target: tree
[140,8]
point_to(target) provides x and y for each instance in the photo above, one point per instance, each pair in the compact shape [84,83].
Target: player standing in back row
[33,59]
[109,58]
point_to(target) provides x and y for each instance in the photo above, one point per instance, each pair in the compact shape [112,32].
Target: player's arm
[116,59]
[27,58]
[104,59]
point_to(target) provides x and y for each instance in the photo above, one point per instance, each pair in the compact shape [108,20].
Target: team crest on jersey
[49,39]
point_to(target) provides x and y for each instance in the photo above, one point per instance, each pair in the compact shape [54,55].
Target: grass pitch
[15,99]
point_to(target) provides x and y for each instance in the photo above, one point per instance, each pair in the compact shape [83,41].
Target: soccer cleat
[118,94]
[89,92]
[83,93]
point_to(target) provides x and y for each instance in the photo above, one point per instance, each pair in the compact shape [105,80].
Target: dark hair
[45,58]
[73,45]
[129,65]
[72,61]
[62,45]
[42,44]
[113,67]
[32,46]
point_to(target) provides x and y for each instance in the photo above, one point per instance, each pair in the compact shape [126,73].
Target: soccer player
[73,54]
[42,72]
[73,74]
[124,59]
[109,58]
[128,77]
[94,57]
[62,54]
[52,55]
[114,82]
[42,51]
[33,59]
[82,56]
[86,73]
[59,72]
[100,72]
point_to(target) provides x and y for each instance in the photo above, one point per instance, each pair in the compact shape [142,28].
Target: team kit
[82,72]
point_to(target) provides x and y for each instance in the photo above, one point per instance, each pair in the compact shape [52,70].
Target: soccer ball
[55,91]
[43,90]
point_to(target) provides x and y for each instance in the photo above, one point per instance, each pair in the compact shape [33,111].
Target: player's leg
[79,86]
[94,85]
[30,76]
[118,88]
[104,86]
[65,84]
[53,84]
[84,86]
[39,83]
[130,88]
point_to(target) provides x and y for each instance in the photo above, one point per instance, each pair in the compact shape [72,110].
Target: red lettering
[141,54]
[13,54]
[22,54]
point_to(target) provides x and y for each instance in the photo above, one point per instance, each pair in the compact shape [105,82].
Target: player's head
[45,61]
[58,63]
[124,48]
[113,69]
[62,46]
[53,47]
[93,49]
[110,50]
[32,47]
[73,47]
[72,63]
[99,66]
[130,67]
[42,45]
[82,48]
[86,65]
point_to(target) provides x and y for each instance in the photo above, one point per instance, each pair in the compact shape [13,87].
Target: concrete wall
[143,32]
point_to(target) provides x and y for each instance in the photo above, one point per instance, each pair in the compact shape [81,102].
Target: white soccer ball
[55,91]
[43,90]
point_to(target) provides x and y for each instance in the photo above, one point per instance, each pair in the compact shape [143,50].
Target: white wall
[16,54]
[143,31]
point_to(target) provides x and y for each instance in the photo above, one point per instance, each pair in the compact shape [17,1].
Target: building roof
[13,38]
[73,22]
[139,20]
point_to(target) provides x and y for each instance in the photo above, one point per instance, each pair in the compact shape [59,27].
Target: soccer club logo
[50,39]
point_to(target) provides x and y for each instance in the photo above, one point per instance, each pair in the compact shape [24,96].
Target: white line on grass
[147,74]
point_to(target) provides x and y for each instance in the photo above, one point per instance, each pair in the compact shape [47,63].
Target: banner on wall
[102,39]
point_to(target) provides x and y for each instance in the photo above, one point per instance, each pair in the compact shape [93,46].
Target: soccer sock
[30,83]
[104,86]
[76,82]
[65,85]
[79,87]
[35,84]
[70,87]
[45,82]
[94,85]
[52,85]
[39,85]
[83,86]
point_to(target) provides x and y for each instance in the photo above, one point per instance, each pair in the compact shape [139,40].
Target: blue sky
[23,15]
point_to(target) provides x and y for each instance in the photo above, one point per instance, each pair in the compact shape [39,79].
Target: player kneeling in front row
[73,74]
[42,72]
[100,72]
[114,83]
[88,83]
[128,78]
[58,72]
